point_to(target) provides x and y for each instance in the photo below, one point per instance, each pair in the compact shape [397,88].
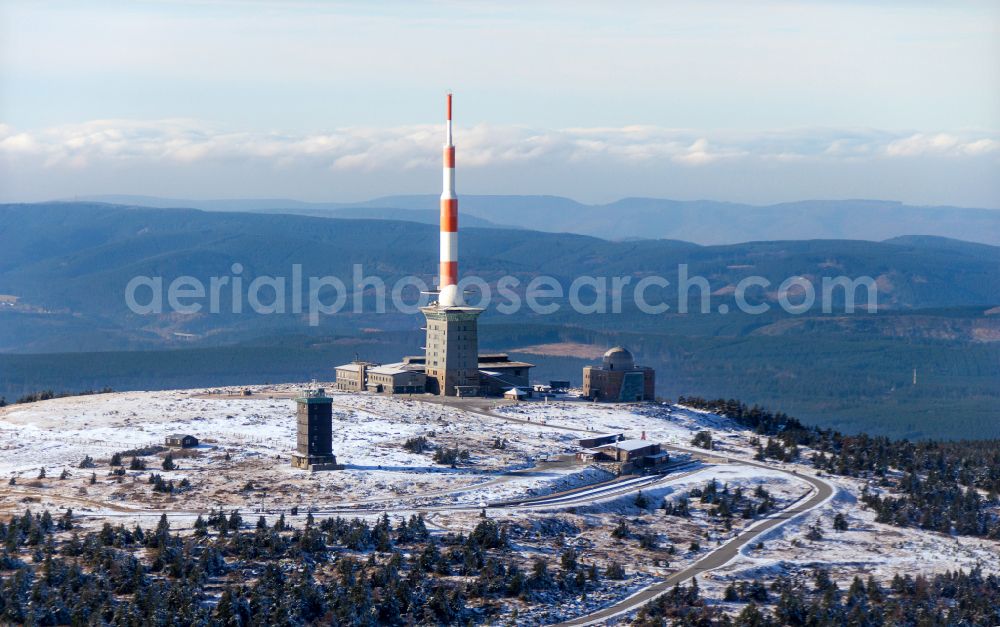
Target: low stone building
[628,450]
[497,373]
[181,440]
[398,378]
[618,379]
[627,455]
[353,377]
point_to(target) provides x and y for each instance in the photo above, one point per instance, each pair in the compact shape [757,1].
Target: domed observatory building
[618,379]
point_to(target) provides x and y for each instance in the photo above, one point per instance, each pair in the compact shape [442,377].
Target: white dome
[618,358]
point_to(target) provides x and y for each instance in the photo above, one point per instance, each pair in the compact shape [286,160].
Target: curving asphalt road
[717,558]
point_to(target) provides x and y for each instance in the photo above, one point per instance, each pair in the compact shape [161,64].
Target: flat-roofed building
[182,440]
[599,439]
[627,455]
[628,450]
[353,377]
[501,363]
[398,378]
[497,374]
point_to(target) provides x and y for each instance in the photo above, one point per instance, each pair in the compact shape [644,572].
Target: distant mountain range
[74,260]
[64,323]
[366,210]
[699,221]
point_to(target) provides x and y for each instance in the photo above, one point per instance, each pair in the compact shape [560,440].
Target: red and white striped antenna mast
[448,279]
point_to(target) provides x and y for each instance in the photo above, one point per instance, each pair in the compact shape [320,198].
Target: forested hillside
[701,221]
[79,257]
[948,487]
[64,324]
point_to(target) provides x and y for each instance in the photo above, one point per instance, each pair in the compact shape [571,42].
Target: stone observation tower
[314,450]
[452,350]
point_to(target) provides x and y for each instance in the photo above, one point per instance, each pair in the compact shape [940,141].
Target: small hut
[182,440]
[515,394]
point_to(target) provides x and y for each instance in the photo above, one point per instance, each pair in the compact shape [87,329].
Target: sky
[758,102]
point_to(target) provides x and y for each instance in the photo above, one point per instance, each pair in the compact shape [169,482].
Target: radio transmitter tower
[452,350]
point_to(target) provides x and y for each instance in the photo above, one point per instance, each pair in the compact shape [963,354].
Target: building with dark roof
[182,440]
[600,439]
[635,455]
[398,378]
[496,373]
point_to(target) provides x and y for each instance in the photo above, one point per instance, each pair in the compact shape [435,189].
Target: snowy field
[515,451]
[243,459]
[673,425]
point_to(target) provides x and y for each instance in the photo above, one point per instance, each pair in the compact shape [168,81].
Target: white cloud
[401,148]
[19,143]
[701,153]
[920,144]
[981,146]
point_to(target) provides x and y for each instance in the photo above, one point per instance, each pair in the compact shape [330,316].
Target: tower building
[314,446]
[452,347]
[451,364]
